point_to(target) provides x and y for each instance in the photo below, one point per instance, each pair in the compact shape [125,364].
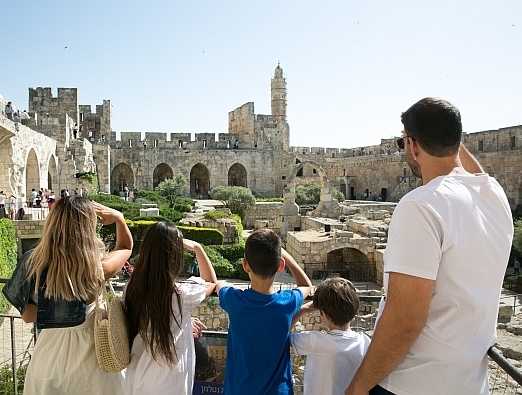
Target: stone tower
[278,90]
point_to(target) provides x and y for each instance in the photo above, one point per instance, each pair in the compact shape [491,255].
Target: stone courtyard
[64,140]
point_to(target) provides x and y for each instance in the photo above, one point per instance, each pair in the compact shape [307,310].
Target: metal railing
[34,213]
[18,340]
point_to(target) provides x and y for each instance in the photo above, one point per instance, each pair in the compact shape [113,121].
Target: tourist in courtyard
[2,204]
[159,308]
[56,285]
[258,361]
[9,110]
[332,357]
[12,207]
[448,247]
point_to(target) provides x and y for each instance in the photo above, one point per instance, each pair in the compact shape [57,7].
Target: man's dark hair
[435,124]
[263,252]
[337,299]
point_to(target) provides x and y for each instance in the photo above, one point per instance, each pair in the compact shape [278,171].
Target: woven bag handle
[103,293]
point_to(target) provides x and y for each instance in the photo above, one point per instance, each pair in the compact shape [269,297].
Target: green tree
[517,239]
[237,199]
[311,194]
[172,188]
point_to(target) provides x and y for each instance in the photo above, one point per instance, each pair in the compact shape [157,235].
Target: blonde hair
[70,251]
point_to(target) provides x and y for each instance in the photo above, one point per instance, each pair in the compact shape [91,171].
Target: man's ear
[246,266]
[282,265]
[414,148]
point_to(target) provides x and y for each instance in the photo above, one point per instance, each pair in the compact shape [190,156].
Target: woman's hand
[106,214]
[190,245]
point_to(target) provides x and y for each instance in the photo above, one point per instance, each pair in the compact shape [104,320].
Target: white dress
[64,363]
[147,376]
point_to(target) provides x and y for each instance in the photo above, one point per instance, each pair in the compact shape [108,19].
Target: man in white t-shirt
[448,247]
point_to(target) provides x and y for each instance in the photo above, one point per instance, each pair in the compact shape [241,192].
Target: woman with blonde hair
[56,286]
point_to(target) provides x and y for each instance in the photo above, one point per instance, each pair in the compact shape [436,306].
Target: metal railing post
[13,356]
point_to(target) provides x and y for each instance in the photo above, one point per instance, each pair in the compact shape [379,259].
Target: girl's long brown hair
[150,292]
[70,251]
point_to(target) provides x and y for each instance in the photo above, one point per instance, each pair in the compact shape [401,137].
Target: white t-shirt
[2,199]
[144,375]
[332,358]
[456,230]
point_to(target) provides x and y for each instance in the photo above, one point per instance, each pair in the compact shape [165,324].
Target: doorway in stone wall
[161,173]
[199,182]
[351,264]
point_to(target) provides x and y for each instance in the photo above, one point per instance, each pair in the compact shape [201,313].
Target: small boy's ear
[246,266]
[282,265]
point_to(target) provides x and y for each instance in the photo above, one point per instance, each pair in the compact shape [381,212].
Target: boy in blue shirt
[258,351]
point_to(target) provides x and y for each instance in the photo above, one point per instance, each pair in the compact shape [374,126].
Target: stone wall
[216,319]
[143,161]
[28,233]
[25,156]
[266,211]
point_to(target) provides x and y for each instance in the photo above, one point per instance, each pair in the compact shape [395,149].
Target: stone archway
[237,176]
[161,173]
[121,176]
[199,181]
[52,174]
[328,206]
[350,263]
[32,174]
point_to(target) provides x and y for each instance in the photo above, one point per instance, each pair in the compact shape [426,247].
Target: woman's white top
[148,376]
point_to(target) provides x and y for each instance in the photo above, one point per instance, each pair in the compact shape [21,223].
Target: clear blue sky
[352,66]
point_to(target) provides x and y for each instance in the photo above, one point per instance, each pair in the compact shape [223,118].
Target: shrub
[219,214]
[152,197]
[232,252]
[8,251]
[129,209]
[171,188]
[311,194]
[239,272]
[183,204]
[206,236]
[221,265]
[6,378]
[138,228]
[237,199]
[171,214]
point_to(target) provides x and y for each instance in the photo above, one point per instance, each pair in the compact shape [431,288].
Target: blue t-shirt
[258,350]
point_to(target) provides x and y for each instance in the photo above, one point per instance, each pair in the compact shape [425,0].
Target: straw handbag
[111,338]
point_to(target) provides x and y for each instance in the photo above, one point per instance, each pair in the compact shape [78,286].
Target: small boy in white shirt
[332,357]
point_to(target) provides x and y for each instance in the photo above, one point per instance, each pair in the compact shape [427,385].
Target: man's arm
[469,162]
[403,318]
[301,279]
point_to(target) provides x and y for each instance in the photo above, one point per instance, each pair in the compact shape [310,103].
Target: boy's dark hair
[435,124]
[337,298]
[263,252]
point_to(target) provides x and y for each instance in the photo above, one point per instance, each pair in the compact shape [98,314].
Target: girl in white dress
[158,311]
[66,271]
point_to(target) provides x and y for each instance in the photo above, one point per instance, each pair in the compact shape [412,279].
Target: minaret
[278,88]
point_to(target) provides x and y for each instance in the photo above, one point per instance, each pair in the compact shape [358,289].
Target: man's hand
[197,327]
